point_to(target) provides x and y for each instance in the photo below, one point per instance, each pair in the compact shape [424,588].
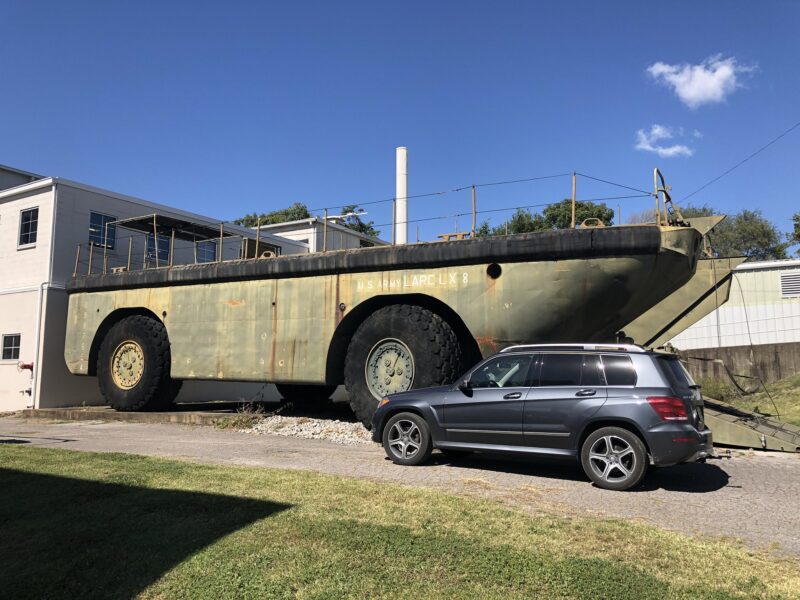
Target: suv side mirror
[463,385]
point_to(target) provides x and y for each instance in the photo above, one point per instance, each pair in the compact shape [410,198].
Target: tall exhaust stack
[401,196]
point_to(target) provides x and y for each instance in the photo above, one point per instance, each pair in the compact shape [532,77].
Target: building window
[790,284]
[11,347]
[163,250]
[207,251]
[98,225]
[365,244]
[28,226]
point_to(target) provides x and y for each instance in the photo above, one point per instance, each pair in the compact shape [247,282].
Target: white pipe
[401,196]
[36,371]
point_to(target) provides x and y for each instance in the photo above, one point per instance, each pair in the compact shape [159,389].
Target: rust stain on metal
[235,303]
[338,314]
[487,345]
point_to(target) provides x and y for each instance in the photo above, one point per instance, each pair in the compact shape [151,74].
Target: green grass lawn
[782,401]
[81,525]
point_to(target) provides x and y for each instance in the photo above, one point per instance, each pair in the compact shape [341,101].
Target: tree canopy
[353,220]
[295,212]
[555,216]
[747,233]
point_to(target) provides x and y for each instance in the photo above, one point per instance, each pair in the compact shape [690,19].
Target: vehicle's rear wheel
[395,349]
[306,396]
[614,458]
[133,365]
[407,439]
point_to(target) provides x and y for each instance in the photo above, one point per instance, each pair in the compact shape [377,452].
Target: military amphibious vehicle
[378,320]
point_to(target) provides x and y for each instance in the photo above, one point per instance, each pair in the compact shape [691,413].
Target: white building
[311,231]
[42,222]
[763,308]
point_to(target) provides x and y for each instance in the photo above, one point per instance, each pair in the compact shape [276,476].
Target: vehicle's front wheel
[395,349]
[133,365]
[306,396]
[407,439]
[614,458]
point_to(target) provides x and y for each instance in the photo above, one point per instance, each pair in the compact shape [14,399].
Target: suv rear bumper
[680,444]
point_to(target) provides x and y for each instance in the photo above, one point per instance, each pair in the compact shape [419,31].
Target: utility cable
[443,192]
[627,187]
[741,162]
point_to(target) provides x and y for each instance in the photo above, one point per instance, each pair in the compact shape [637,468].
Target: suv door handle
[582,393]
[512,396]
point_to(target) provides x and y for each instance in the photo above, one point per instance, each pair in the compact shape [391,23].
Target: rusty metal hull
[278,327]
[703,293]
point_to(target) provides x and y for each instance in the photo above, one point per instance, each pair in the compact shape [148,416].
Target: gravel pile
[339,432]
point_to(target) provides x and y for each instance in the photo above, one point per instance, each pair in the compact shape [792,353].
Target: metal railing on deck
[168,243]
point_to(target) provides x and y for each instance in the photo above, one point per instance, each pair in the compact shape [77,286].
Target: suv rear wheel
[614,458]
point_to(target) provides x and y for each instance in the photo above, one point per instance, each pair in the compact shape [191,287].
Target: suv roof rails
[597,347]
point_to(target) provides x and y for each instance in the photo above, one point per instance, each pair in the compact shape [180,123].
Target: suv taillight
[669,408]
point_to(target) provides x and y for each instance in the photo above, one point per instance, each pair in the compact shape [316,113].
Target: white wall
[755,313]
[24,270]
[18,315]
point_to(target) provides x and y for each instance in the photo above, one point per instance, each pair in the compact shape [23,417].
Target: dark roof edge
[538,246]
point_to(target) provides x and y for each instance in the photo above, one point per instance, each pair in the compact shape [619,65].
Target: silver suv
[615,408]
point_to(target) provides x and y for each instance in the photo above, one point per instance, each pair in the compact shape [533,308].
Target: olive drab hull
[288,319]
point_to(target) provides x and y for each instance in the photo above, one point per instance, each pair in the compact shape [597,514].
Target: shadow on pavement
[74,538]
[516,465]
[695,478]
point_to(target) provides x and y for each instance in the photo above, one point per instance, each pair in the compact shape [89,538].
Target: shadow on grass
[697,478]
[75,538]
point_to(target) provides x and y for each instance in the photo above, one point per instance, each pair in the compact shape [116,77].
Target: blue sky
[228,108]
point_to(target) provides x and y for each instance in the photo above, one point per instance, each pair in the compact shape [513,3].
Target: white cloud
[709,82]
[648,141]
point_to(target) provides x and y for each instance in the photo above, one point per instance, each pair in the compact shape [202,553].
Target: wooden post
[474,212]
[221,238]
[91,255]
[130,249]
[155,238]
[171,247]
[105,248]
[77,260]
[325,232]
[574,187]
[258,233]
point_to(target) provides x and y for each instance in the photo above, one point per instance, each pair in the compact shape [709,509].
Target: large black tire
[151,387]
[431,342]
[618,465]
[306,396]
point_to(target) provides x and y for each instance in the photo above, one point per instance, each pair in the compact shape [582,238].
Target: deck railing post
[77,260]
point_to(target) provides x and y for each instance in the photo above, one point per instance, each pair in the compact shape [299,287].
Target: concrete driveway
[752,496]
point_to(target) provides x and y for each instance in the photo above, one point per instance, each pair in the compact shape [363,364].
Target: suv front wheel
[614,458]
[407,439]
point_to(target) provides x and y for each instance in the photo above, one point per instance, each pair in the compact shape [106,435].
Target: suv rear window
[570,369]
[677,375]
[619,370]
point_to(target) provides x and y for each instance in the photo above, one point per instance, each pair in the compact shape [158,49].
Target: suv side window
[502,371]
[619,370]
[570,370]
